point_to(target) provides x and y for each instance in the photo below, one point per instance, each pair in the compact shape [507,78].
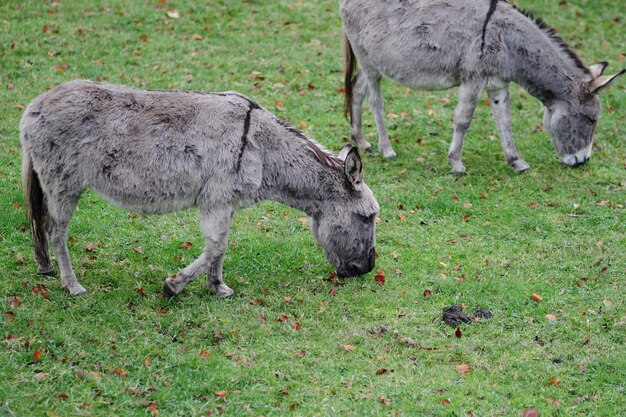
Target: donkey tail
[350,72]
[36,212]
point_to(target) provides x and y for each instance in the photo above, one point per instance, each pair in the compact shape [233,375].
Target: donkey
[161,151]
[474,44]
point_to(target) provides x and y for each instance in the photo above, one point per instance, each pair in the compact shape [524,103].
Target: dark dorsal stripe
[492,8]
[246,128]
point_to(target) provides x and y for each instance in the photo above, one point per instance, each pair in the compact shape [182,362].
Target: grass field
[290,342]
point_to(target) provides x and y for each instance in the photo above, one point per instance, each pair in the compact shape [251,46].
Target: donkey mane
[541,24]
[552,34]
[321,153]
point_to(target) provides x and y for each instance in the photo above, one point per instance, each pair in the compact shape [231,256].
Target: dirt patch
[454,315]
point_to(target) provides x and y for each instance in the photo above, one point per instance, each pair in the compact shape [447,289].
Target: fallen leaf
[536,297]
[172,14]
[381,371]
[581,368]
[37,356]
[586,341]
[186,245]
[380,277]
[445,401]
[332,292]
[41,289]
[402,217]
[62,395]
[467,204]
[408,342]
[551,317]
[221,394]
[153,408]
[300,354]
[95,374]
[463,369]
[10,316]
[530,412]
[458,332]
[120,372]
[147,361]
[204,353]
[143,37]
[282,319]
[553,381]
[280,105]
[384,400]
[90,246]
[41,375]
[427,292]
[348,348]
[533,205]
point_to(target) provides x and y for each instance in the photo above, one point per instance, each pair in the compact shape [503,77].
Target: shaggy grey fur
[161,151]
[474,44]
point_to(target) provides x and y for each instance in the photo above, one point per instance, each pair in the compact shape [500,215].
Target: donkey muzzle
[360,267]
[574,160]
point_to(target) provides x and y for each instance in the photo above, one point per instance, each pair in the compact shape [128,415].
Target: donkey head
[571,122]
[345,228]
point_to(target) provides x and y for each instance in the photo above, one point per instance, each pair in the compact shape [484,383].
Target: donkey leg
[501,109]
[468,97]
[42,256]
[359,91]
[215,226]
[376,105]
[60,215]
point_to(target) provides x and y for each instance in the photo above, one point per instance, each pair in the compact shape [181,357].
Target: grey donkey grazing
[474,44]
[161,151]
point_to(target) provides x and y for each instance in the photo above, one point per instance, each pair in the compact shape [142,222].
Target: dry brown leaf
[463,369]
[380,277]
[536,297]
[530,412]
[120,371]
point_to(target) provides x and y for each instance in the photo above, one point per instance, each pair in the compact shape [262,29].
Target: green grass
[542,231]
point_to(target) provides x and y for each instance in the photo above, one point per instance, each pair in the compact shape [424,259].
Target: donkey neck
[540,62]
[299,174]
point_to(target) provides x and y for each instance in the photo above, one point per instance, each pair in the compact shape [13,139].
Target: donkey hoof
[369,149]
[46,270]
[76,290]
[458,170]
[223,291]
[168,288]
[519,166]
[391,155]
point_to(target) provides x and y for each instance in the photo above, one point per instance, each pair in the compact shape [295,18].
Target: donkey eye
[591,120]
[367,219]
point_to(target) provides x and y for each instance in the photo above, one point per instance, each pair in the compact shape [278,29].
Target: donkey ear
[344,152]
[353,167]
[603,82]
[598,69]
